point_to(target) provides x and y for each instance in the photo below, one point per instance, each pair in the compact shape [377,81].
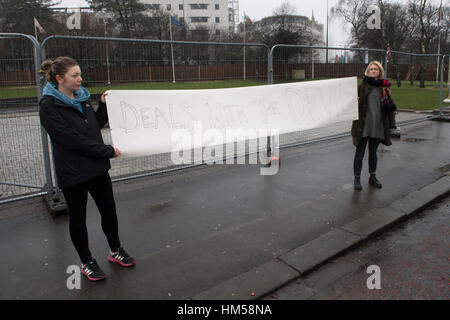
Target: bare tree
[425,32]
[412,28]
[354,13]
[127,13]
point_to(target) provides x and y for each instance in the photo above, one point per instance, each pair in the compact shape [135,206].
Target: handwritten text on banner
[146,122]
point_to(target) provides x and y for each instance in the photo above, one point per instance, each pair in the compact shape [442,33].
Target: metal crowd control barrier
[133,175]
[47,188]
[442,68]
[44,45]
[364,53]
[135,169]
[277,46]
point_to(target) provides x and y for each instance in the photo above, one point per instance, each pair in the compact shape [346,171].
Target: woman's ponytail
[59,66]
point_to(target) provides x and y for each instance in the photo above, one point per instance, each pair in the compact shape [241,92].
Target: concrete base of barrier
[444,118]
[56,204]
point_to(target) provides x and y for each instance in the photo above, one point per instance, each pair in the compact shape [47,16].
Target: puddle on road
[158,207]
[347,186]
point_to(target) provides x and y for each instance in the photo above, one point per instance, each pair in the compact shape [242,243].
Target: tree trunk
[396,67]
[411,70]
[422,43]
[422,75]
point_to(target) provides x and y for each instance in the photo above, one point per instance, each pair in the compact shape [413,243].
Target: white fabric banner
[146,122]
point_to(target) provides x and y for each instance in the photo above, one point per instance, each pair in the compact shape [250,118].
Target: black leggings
[359,155]
[76,197]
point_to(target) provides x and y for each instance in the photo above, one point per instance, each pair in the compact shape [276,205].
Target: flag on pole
[37,26]
[440,13]
[176,22]
[247,19]
[388,54]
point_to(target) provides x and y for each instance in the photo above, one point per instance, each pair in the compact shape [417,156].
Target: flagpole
[171,48]
[244,46]
[35,30]
[439,43]
[326,52]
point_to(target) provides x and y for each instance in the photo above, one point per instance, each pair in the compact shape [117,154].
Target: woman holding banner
[81,158]
[376,117]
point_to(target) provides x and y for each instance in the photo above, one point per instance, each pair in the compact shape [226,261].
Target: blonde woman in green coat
[376,117]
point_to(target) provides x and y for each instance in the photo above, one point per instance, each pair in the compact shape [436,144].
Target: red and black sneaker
[121,257]
[92,271]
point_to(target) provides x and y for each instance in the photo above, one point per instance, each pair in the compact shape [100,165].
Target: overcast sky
[257,9]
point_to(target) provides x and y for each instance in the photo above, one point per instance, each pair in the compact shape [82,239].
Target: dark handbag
[388,105]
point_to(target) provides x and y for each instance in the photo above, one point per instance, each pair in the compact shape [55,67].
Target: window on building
[181,19]
[169,7]
[217,7]
[199,6]
[217,32]
[199,19]
[180,7]
[217,20]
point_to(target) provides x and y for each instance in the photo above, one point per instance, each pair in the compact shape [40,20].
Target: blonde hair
[379,65]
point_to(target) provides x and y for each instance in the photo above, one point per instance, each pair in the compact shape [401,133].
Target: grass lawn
[408,97]
[413,97]
[23,92]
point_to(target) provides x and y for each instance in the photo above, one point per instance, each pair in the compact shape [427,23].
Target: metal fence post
[55,198]
[386,64]
[270,67]
[270,81]
[448,79]
[441,93]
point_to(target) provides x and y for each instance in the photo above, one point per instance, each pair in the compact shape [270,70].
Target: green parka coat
[358,125]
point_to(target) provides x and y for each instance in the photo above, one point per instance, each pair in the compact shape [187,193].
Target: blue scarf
[81,95]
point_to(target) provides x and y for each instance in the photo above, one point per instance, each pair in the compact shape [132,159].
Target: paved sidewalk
[413,260]
[199,229]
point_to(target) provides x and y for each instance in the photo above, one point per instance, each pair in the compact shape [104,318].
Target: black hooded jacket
[78,148]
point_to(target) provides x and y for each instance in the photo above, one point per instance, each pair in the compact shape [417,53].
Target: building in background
[216,16]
